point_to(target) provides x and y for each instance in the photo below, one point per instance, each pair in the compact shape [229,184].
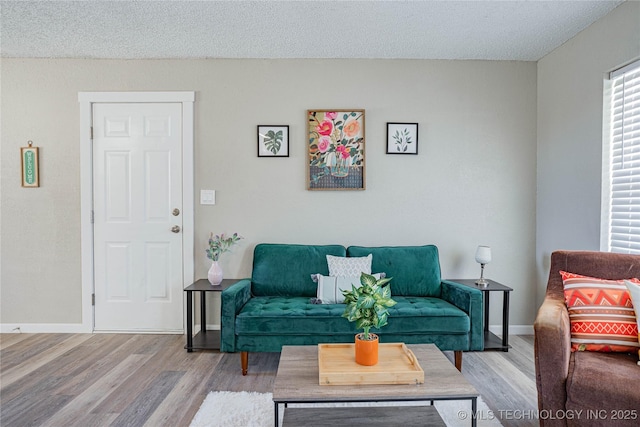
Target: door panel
[137,184]
[158,271]
[117,186]
[117,271]
[157,180]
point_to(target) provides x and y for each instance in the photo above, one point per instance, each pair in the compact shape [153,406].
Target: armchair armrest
[233,299]
[468,300]
[552,348]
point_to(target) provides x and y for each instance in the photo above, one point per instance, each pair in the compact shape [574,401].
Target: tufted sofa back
[286,269]
[415,269]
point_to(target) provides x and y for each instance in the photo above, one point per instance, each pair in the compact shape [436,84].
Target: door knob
[175,229]
[176,212]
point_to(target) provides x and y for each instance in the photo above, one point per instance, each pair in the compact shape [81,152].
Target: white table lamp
[483,256]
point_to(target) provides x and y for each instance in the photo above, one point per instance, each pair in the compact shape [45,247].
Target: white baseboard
[176,332]
[79,328]
[44,328]
[513,329]
[70,328]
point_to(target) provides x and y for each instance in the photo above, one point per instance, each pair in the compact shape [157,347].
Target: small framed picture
[273,141]
[402,138]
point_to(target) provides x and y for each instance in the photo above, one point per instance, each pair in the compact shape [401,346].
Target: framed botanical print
[402,138]
[273,141]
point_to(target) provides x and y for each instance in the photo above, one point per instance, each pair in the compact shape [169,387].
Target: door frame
[86,100]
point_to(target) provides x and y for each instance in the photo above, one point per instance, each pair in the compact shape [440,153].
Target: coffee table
[297,382]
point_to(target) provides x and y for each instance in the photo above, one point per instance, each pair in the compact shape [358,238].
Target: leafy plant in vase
[367,305]
[219,244]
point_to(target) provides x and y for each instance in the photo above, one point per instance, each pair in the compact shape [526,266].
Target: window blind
[624,208]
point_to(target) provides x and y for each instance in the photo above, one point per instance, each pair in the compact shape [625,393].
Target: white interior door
[137,190]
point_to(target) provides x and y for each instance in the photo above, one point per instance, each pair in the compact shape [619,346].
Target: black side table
[491,340]
[205,339]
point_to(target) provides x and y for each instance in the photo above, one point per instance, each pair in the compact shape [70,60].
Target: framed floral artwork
[336,150]
[273,141]
[402,138]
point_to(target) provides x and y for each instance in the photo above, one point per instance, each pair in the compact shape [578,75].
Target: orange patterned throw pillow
[601,314]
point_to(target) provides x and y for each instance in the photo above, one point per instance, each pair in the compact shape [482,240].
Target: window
[621,172]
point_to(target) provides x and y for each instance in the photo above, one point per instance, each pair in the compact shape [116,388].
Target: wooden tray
[396,365]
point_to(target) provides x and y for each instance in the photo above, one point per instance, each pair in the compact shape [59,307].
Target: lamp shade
[483,255]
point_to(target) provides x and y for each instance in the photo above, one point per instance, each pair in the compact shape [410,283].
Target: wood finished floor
[150,380]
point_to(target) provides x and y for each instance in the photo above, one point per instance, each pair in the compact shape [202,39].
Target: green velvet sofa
[275,306]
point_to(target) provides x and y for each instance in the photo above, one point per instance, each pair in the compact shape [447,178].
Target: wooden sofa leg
[244,360]
[458,360]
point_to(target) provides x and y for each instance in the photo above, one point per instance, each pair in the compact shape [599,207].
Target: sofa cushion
[603,381]
[348,266]
[601,314]
[285,270]
[415,269]
[290,315]
[426,315]
[411,315]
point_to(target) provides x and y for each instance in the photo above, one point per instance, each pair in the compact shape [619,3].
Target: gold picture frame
[336,156]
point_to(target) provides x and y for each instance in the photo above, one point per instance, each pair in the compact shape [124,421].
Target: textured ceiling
[481,29]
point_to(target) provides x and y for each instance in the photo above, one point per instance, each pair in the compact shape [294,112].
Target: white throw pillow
[349,266]
[330,287]
[634,292]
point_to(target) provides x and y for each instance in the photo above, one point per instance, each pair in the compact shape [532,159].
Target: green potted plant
[367,305]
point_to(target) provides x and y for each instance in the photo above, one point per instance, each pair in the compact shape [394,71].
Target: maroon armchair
[583,388]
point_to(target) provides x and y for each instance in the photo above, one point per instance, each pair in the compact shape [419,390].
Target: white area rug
[244,409]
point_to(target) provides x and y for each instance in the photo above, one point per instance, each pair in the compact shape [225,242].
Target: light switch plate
[207,197]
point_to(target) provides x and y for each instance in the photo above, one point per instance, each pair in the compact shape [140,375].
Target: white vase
[215,273]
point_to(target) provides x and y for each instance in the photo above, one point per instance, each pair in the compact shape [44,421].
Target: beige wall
[473,182]
[570,114]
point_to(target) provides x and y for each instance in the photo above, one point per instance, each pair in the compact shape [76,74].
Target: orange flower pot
[367,351]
